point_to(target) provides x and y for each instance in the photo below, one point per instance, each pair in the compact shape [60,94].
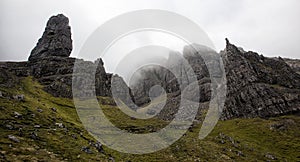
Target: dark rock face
[56,40]
[50,64]
[257,86]
[55,73]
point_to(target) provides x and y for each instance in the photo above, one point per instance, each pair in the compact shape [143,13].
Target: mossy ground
[231,140]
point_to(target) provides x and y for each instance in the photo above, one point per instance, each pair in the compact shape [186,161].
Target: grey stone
[39,110]
[60,125]
[37,126]
[270,156]
[17,115]
[86,150]
[53,109]
[8,126]
[111,159]
[13,138]
[19,97]
[99,147]
[34,135]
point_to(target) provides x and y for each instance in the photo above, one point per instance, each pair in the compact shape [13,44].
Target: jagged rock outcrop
[257,86]
[56,39]
[50,64]
[166,79]
[49,60]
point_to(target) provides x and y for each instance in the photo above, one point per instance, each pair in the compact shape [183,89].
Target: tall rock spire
[56,39]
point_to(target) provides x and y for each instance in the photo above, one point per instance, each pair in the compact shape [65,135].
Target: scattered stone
[111,159]
[282,125]
[222,138]
[223,156]
[19,97]
[239,153]
[33,135]
[270,156]
[39,110]
[30,149]
[222,141]
[37,126]
[17,115]
[2,155]
[60,125]
[1,94]
[53,109]
[74,136]
[20,132]
[99,147]
[86,150]
[13,138]
[8,126]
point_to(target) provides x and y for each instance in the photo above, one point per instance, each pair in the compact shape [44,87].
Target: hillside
[40,127]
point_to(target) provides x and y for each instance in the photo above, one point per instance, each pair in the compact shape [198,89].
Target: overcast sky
[270,27]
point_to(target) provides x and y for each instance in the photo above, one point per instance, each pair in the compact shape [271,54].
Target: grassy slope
[232,140]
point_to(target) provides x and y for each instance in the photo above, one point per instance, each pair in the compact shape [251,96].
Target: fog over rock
[257,86]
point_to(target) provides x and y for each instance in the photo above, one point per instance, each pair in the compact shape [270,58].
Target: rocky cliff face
[50,64]
[257,86]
